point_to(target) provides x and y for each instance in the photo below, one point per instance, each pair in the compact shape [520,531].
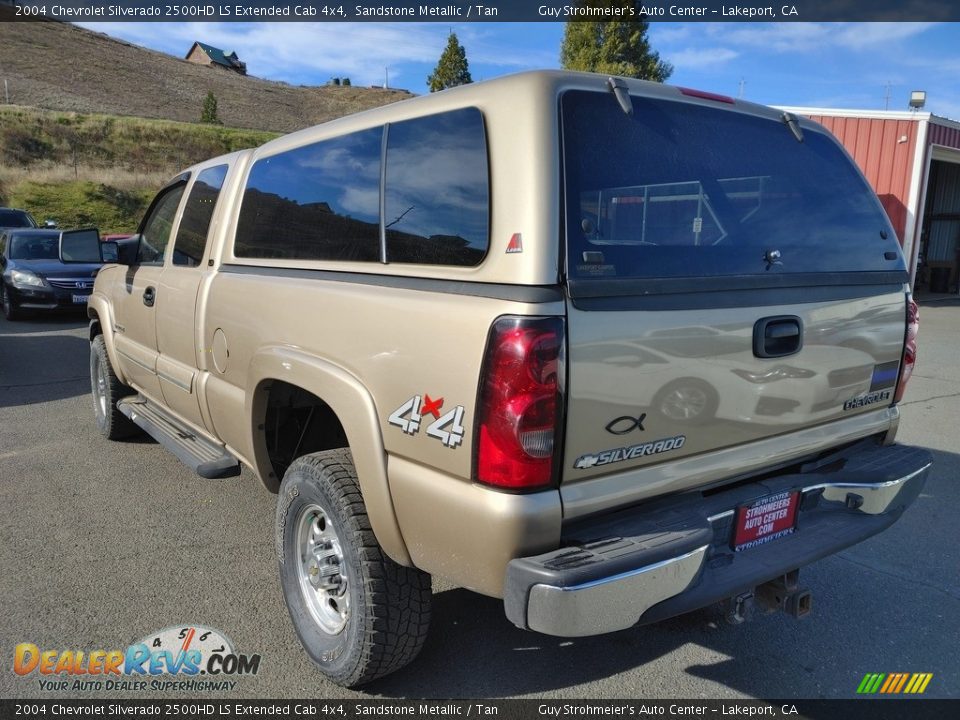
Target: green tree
[613,48]
[453,69]
[209,112]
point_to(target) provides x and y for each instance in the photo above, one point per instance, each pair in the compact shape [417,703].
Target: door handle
[777,336]
[149,296]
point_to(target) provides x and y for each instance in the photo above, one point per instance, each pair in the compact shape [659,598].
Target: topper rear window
[682,190]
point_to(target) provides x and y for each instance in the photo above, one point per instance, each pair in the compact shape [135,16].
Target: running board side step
[207,459]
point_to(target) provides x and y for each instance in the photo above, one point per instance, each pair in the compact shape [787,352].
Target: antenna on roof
[619,88]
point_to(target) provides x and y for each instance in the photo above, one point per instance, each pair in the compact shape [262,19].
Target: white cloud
[873,36]
[484,46]
[810,37]
[697,58]
[664,35]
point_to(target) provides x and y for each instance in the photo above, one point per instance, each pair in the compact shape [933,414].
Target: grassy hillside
[92,158]
[64,67]
[100,170]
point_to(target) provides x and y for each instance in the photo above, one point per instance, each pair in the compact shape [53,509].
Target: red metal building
[912,160]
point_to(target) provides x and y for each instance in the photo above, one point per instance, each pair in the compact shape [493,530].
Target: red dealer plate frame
[764,520]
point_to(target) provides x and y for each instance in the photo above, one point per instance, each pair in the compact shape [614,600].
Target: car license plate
[80,299]
[766,519]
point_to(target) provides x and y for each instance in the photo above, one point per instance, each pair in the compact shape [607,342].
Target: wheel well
[297,423]
[95,327]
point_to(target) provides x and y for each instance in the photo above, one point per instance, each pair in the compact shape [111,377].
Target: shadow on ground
[40,362]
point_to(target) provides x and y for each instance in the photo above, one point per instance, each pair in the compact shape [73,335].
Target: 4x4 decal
[447,428]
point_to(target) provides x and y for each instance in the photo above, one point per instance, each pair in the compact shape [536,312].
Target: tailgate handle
[777,336]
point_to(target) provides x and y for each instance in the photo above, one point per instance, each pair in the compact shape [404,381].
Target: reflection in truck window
[156,228]
[197,214]
[437,197]
[316,202]
[680,189]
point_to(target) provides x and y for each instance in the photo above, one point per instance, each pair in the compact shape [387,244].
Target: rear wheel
[10,310]
[358,614]
[107,389]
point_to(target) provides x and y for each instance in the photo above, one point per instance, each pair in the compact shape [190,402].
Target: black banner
[471,11]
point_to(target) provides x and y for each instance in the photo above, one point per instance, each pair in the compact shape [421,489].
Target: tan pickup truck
[608,350]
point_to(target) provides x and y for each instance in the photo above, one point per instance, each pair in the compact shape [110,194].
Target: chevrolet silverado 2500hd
[606,349]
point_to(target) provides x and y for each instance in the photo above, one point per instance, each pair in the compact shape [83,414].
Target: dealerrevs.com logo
[189,658]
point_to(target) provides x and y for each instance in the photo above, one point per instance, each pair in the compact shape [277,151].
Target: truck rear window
[680,190]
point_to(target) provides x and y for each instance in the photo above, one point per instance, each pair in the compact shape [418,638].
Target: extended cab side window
[437,197]
[156,228]
[191,239]
[316,202]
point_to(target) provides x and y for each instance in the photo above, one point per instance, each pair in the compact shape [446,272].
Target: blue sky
[843,65]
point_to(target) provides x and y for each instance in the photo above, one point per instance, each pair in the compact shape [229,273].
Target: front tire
[107,389]
[10,310]
[359,615]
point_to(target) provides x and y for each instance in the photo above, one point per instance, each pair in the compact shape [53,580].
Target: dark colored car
[35,279]
[13,218]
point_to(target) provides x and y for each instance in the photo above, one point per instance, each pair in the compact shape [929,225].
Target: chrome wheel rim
[684,403]
[321,572]
[99,386]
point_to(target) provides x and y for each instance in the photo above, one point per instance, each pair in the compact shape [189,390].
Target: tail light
[520,405]
[909,348]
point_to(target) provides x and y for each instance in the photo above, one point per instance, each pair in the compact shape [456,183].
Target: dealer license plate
[767,519]
[78,299]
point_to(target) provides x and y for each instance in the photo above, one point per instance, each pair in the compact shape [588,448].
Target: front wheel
[107,389]
[359,615]
[10,310]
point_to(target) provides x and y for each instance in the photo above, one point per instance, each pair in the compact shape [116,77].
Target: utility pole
[742,84]
[886,97]
[386,77]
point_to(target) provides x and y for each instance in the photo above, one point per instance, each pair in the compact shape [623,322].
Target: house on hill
[203,54]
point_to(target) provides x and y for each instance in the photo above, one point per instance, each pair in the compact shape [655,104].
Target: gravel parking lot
[104,543]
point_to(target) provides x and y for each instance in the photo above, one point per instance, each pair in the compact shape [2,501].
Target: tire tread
[398,598]
[117,425]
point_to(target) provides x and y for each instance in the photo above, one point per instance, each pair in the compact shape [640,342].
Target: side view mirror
[110,251]
[80,246]
[127,249]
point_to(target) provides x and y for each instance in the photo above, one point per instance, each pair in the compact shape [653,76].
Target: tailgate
[649,386]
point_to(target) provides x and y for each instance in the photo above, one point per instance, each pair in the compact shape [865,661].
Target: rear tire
[10,310]
[359,615]
[107,390]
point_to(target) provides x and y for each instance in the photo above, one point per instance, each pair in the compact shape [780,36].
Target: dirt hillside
[63,67]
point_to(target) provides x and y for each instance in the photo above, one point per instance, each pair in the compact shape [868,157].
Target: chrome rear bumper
[654,562]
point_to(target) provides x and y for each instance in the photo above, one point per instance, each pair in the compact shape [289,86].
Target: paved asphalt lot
[102,543]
